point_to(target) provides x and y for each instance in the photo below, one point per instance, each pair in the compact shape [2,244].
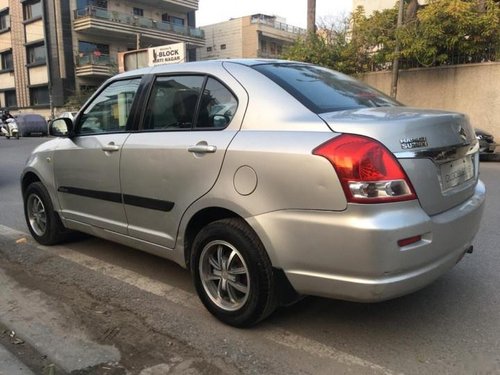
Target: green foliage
[443,32]
[446,31]
[328,47]
[77,100]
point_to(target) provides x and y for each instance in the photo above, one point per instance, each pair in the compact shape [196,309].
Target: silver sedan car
[268,180]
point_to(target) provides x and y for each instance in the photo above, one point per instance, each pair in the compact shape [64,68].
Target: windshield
[323,90]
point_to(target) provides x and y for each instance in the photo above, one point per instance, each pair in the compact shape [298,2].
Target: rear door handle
[110,147]
[202,149]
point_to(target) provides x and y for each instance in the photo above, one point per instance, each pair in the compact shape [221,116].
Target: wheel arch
[27,179]
[199,220]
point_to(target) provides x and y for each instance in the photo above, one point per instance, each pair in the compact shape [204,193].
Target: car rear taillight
[368,172]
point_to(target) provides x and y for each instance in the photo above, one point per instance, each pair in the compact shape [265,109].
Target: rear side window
[189,102]
[173,102]
[217,106]
[323,90]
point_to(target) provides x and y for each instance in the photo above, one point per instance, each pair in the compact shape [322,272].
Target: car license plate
[456,172]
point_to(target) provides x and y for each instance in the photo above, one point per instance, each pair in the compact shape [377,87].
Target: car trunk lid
[437,149]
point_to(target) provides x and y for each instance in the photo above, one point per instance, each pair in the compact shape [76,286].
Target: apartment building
[257,35]
[50,49]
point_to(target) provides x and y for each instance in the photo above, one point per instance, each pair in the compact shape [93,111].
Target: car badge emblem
[411,143]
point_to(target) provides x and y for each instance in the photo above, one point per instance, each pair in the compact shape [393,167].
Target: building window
[4,20]
[10,98]
[177,20]
[209,49]
[39,95]
[222,46]
[36,54]
[172,19]
[7,61]
[32,10]
[138,12]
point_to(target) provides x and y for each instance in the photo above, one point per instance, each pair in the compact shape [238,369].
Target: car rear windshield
[323,90]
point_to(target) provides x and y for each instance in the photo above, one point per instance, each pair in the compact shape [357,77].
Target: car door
[86,166]
[189,122]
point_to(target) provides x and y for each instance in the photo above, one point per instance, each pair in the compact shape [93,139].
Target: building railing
[93,58]
[132,20]
[269,21]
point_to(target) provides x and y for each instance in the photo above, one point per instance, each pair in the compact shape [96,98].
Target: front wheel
[43,222]
[232,273]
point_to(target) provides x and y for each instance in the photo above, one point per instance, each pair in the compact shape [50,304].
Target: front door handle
[110,147]
[201,148]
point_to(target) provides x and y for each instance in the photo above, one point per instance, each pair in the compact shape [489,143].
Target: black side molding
[132,200]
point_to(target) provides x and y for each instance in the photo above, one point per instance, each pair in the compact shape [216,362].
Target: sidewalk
[10,365]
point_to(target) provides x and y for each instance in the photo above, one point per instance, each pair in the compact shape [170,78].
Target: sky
[294,11]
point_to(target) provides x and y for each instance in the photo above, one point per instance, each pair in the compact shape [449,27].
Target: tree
[77,100]
[452,31]
[442,32]
[327,47]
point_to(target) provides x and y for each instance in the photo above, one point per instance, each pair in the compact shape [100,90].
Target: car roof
[196,65]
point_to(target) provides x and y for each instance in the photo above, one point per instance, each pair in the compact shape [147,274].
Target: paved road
[141,314]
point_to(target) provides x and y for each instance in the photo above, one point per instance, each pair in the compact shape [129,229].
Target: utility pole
[311,16]
[395,63]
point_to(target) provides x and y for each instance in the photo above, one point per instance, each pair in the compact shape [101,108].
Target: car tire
[43,222]
[232,273]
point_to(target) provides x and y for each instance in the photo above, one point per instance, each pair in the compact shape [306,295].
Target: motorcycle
[9,128]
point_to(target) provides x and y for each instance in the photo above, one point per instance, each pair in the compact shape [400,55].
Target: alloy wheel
[37,215]
[224,275]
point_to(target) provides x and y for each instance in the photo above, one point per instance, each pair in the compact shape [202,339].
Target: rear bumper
[354,254]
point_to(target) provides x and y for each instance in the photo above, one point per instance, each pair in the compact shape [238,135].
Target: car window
[217,106]
[173,101]
[109,111]
[323,90]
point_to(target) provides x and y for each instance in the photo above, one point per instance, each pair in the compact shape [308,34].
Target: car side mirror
[61,127]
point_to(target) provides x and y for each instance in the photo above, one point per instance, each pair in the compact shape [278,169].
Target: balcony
[107,24]
[94,64]
[271,22]
[182,6]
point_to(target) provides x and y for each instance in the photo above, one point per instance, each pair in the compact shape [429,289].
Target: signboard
[167,54]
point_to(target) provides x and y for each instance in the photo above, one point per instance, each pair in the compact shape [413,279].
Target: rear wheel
[232,273]
[43,222]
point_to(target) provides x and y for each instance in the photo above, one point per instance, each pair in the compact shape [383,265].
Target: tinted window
[322,90]
[4,20]
[39,95]
[32,9]
[173,102]
[10,98]
[217,106]
[36,54]
[109,111]
[6,59]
